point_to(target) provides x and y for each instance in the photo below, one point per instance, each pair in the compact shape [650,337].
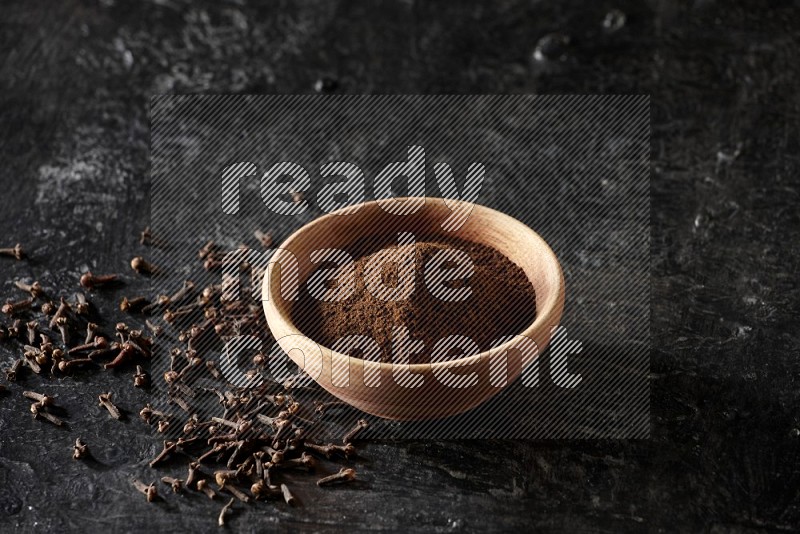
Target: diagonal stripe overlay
[575,169]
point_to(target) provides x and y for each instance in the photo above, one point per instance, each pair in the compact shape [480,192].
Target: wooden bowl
[432,399]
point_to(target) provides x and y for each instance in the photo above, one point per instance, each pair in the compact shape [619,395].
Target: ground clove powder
[502,303]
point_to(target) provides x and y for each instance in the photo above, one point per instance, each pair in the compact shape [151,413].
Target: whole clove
[345,474]
[175,483]
[147,238]
[360,425]
[99,343]
[149,490]
[33,328]
[329,450]
[15,329]
[132,304]
[42,400]
[34,288]
[40,413]
[48,308]
[68,366]
[127,351]
[287,495]
[63,327]
[202,485]
[63,308]
[206,250]
[16,252]
[148,412]
[92,281]
[81,304]
[31,356]
[105,402]
[264,238]
[12,373]
[258,434]
[191,478]
[11,308]
[80,450]
[236,492]
[91,332]
[169,448]
[224,512]
[141,379]
[142,266]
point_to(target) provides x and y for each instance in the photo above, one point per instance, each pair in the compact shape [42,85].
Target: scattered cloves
[249,440]
[127,351]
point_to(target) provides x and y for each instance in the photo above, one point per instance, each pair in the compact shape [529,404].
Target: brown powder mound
[502,303]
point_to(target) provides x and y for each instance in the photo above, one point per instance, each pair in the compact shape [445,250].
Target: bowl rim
[552,306]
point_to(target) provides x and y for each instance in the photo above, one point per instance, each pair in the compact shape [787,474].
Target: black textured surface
[725,431]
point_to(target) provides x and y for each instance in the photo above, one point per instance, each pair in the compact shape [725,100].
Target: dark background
[75,80]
